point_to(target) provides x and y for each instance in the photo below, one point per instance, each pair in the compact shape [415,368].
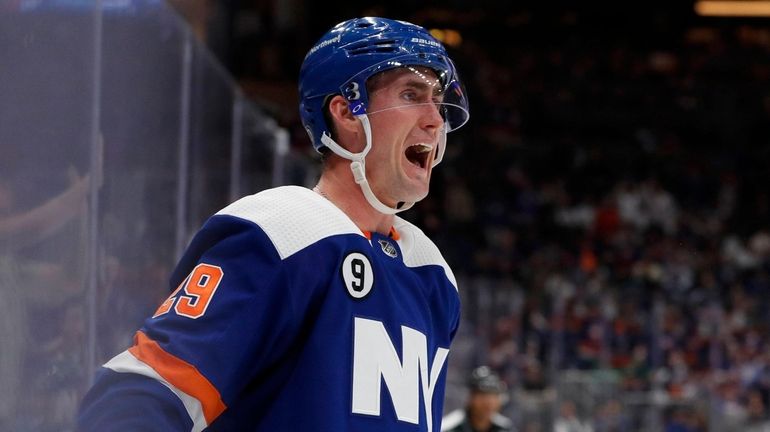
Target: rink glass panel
[47,93]
[119,134]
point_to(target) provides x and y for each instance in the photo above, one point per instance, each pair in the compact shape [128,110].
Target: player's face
[484,405]
[406,128]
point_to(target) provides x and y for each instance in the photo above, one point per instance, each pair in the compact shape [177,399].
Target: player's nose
[431,118]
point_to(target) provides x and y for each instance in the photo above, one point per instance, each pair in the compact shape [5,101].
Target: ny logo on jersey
[375,359]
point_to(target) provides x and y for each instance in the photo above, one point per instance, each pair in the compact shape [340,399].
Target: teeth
[422,148]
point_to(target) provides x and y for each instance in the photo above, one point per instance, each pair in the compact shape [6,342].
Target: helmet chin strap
[358,166]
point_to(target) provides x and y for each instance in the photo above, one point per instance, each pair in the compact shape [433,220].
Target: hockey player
[482,411]
[314,310]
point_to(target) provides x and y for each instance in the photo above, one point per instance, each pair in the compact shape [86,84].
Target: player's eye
[410,96]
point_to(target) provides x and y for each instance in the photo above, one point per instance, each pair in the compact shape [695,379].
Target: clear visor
[431,85]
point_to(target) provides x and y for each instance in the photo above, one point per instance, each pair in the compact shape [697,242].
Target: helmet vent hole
[379,46]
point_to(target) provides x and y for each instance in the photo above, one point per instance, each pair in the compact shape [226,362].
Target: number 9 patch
[357,274]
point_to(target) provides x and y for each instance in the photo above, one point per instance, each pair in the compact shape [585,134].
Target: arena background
[606,210]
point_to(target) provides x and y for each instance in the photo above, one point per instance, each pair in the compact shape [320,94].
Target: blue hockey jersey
[286,317]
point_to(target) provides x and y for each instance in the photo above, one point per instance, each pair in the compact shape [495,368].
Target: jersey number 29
[192,297]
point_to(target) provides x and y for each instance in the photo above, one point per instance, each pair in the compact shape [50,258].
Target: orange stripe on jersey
[179,374]
[392,234]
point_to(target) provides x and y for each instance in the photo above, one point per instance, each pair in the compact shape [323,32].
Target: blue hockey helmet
[344,59]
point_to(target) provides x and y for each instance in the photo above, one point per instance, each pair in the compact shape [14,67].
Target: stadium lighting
[747,8]
[449,37]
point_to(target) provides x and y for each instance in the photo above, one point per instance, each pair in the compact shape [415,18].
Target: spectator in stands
[756,408]
[611,417]
[569,421]
[682,419]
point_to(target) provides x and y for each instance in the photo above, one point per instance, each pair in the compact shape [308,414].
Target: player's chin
[417,191]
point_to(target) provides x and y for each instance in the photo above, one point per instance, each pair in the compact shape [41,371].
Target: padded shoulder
[293,217]
[501,421]
[419,250]
[452,420]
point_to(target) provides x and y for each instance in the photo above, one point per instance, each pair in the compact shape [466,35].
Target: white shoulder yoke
[418,249]
[293,217]
[453,419]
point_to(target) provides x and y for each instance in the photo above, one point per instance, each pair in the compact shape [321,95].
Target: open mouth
[419,154]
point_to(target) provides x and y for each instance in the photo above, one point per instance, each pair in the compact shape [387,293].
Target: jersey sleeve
[232,316]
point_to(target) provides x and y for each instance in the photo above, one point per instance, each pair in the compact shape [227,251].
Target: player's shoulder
[453,420]
[502,422]
[418,249]
[293,217]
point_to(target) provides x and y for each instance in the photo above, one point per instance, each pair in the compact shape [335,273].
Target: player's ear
[343,119]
